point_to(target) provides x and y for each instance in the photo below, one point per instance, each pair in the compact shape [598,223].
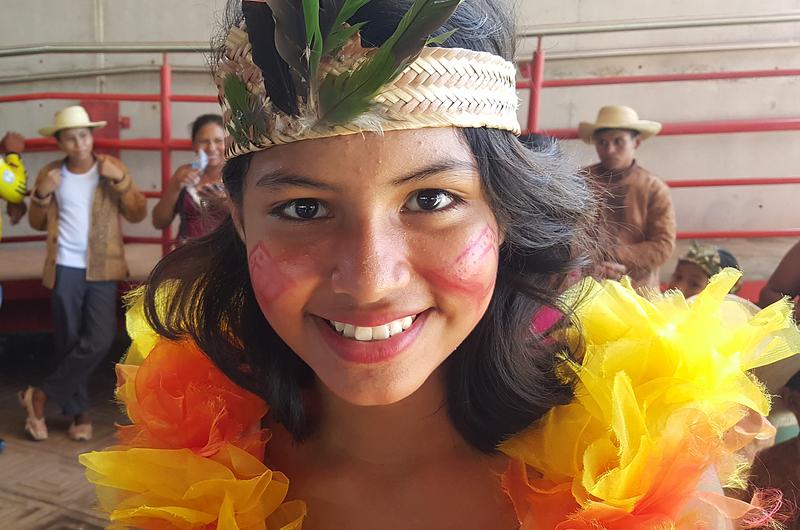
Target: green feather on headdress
[307,33]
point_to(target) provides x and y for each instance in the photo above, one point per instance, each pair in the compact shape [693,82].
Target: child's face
[77,143]
[689,278]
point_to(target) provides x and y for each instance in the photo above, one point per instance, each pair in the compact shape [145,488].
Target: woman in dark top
[195,193]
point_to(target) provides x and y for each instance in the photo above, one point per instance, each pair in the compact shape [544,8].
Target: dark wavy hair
[202,121]
[502,377]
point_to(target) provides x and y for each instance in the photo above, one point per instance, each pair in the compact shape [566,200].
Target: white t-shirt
[75,196]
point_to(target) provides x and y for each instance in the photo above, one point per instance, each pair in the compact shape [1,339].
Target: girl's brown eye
[430,201]
[302,210]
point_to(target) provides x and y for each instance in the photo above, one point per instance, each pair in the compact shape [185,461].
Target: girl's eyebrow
[443,166]
[279,178]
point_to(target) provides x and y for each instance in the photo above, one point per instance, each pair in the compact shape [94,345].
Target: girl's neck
[413,429]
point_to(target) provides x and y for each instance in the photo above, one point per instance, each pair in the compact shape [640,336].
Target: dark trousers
[84,318]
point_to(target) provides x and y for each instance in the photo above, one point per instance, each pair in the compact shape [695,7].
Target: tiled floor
[42,486]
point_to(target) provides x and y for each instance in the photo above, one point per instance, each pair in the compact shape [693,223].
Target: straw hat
[618,117]
[70,118]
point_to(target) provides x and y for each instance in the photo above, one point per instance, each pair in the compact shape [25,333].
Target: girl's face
[372,256]
[211,139]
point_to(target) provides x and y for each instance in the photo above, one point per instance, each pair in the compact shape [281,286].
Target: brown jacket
[638,221]
[106,255]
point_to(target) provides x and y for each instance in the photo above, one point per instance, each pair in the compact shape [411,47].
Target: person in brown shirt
[78,200]
[637,233]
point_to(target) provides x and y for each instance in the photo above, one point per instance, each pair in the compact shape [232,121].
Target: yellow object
[13,179]
[193,456]
[663,396]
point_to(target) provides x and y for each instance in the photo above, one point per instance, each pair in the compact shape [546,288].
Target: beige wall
[774,154]
[673,158]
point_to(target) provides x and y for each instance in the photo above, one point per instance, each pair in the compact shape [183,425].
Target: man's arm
[659,241]
[785,281]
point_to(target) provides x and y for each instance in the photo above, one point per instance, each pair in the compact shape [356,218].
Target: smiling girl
[375,285]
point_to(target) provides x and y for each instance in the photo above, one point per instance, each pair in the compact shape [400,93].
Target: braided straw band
[444,87]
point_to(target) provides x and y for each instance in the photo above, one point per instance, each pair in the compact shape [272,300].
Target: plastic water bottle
[200,161]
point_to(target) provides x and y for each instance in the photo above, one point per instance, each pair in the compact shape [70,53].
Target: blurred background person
[637,217]
[78,200]
[195,192]
[698,265]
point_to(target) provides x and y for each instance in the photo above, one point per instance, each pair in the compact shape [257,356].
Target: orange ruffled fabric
[192,457]
[663,398]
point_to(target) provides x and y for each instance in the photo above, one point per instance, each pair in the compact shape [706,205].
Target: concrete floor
[42,485]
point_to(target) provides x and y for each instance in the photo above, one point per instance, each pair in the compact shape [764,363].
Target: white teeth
[395,327]
[381,333]
[366,334]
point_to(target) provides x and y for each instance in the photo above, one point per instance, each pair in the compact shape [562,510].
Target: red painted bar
[186,98]
[740,234]
[142,144]
[195,99]
[537,74]
[706,127]
[658,78]
[78,95]
[23,239]
[43,237]
[166,137]
[715,183]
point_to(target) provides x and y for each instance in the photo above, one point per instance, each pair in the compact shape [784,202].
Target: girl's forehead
[369,156]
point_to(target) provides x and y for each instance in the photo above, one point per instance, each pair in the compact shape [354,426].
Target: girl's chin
[377,392]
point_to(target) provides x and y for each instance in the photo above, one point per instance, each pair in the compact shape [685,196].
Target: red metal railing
[533,80]
[165,144]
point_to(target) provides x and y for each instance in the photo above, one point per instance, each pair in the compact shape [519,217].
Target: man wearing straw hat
[78,201]
[638,222]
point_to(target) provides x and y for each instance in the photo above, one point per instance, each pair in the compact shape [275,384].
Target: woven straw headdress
[335,87]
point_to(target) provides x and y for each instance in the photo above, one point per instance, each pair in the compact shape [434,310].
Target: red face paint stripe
[268,281]
[464,274]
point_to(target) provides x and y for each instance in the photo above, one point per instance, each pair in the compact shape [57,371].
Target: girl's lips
[372,352]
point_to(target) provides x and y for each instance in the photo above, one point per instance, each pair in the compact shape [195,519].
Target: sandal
[34,426]
[80,432]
